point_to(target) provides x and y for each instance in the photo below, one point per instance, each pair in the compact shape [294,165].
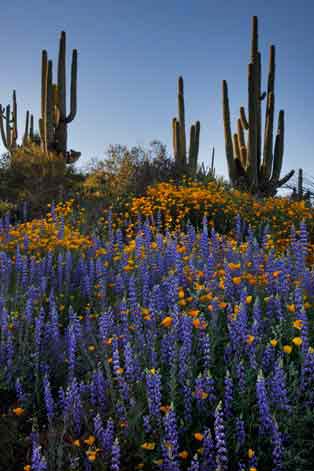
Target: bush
[125,173]
[38,178]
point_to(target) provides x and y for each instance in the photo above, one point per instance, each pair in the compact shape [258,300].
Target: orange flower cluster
[177,204]
[43,235]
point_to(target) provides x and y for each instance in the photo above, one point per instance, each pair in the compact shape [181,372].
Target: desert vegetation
[153,315]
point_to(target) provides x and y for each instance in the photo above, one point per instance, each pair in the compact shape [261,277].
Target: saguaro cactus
[184,163]
[8,126]
[54,119]
[249,169]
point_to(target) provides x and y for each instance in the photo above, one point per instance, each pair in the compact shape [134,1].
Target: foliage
[178,204]
[183,349]
[32,176]
[128,172]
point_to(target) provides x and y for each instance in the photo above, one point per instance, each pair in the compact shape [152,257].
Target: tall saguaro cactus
[185,163]
[249,167]
[54,120]
[8,126]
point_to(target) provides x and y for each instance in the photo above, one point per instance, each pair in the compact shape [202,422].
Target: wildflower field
[178,337]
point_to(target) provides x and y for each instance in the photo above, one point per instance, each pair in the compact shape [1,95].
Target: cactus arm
[268,139]
[252,139]
[3,135]
[31,128]
[197,143]
[49,110]
[300,183]
[181,114]
[244,121]
[26,132]
[240,133]
[254,93]
[279,148]
[73,109]
[62,77]
[259,112]
[243,151]
[227,131]
[8,127]
[14,119]
[269,118]
[179,162]
[254,39]
[242,144]
[174,140]
[192,147]
[213,161]
[285,179]
[236,146]
[44,91]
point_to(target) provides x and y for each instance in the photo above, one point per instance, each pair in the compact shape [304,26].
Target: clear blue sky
[131,52]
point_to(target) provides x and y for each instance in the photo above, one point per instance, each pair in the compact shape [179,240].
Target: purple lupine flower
[228,396]
[307,378]
[115,456]
[263,404]
[60,270]
[240,432]
[146,424]
[170,445]
[268,358]
[153,385]
[101,388]
[187,400]
[25,272]
[194,466]
[252,462]
[229,287]
[99,432]
[215,244]
[301,314]
[39,324]
[61,398]
[257,318]
[145,285]
[109,435]
[277,452]
[208,457]
[20,391]
[279,394]
[238,228]
[105,322]
[38,460]
[73,406]
[49,402]
[221,448]
[186,348]
[72,345]
[9,353]
[206,350]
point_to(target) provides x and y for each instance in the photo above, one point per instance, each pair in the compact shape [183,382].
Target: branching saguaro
[8,126]
[252,168]
[53,124]
[185,164]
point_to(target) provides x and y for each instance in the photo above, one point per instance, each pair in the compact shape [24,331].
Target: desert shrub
[128,172]
[31,176]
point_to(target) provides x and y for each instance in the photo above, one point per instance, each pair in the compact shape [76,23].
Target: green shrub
[38,178]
